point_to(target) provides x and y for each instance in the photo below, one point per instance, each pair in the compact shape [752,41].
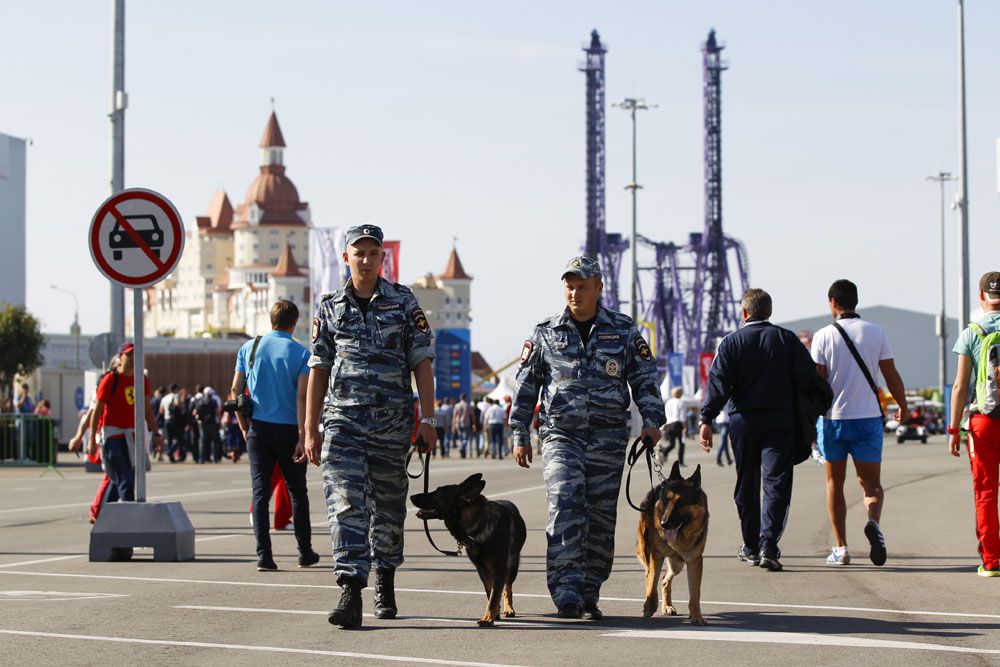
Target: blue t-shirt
[968,342]
[273,381]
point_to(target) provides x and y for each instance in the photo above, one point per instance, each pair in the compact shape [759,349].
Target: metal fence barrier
[27,440]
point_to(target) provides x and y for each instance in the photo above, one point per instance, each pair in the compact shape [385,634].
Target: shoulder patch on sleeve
[526,351]
[420,320]
[642,349]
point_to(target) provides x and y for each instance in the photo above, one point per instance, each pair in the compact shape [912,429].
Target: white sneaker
[838,557]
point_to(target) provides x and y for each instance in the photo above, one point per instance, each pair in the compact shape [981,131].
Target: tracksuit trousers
[984,459]
[763,446]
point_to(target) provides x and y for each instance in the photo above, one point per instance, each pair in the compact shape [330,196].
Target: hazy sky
[456,119]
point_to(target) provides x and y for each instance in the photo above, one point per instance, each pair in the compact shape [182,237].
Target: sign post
[136,239]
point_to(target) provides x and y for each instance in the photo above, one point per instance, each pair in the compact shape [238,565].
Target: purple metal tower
[605,248]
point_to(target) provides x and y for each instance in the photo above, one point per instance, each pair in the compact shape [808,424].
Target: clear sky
[455,119]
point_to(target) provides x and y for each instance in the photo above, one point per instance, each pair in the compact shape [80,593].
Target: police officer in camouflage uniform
[367,339]
[583,360]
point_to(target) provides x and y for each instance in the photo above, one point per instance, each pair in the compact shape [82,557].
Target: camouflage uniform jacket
[370,357]
[584,387]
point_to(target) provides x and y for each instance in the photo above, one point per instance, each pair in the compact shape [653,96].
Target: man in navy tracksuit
[755,370]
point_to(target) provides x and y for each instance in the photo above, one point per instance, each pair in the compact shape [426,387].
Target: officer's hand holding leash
[426,438]
[706,437]
[651,434]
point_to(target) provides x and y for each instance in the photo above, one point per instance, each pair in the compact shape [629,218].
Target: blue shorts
[861,438]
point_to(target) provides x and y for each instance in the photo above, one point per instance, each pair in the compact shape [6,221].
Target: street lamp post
[963,195]
[632,104]
[942,178]
[74,328]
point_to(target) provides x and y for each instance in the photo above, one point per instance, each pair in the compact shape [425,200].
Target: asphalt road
[925,606]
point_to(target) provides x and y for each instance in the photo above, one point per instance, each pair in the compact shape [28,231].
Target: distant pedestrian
[674,430]
[722,424]
[114,417]
[441,416]
[496,418]
[757,370]
[850,353]
[461,424]
[978,358]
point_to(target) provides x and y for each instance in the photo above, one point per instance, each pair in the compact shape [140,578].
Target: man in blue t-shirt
[276,383]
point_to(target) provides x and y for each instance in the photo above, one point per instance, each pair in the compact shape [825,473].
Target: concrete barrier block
[121,527]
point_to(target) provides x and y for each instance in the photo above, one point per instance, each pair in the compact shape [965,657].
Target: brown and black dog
[492,533]
[673,525]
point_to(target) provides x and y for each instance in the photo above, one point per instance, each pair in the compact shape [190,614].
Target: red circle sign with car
[136,237]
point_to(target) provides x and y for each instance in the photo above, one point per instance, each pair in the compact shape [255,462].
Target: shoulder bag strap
[861,365]
[253,355]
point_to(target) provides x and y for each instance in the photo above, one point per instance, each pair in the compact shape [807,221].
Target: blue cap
[355,234]
[585,267]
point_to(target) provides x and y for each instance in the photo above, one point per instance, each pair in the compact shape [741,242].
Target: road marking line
[71,556]
[42,560]
[799,638]
[154,498]
[871,610]
[244,647]
[430,619]
[36,596]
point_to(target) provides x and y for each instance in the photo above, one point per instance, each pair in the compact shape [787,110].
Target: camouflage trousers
[364,481]
[583,475]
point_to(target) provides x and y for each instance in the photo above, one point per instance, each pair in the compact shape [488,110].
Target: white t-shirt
[853,398]
[674,407]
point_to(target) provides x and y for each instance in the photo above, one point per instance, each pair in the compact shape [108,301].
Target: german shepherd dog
[492,533]
[674,525]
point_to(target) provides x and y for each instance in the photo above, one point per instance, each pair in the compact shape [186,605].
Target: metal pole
[963,237]
[634,273]
[942,328]
[118,104]
[139,455]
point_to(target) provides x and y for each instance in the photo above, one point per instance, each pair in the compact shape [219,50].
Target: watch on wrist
[430,421]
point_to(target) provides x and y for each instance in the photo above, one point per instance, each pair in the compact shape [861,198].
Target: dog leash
[425,472]
[633,457]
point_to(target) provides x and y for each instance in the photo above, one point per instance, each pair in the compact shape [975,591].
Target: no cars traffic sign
[136,238]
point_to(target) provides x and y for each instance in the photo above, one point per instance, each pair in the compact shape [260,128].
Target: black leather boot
[385,593]
[348,611]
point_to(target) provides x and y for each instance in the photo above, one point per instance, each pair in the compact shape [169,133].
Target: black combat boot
[348,611]
[385,593]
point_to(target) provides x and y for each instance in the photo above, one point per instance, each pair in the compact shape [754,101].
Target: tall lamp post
[942,178]
[962,200]
[74,328]
[633,104]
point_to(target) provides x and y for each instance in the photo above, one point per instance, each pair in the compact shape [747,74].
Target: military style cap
[355,234]
[585,267]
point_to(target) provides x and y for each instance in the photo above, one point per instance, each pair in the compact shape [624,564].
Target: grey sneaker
[751,558]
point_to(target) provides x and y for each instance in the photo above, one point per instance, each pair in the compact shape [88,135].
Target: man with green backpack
[978,348]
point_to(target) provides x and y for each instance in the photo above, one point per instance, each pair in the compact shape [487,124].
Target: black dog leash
[633,457]
[425,472]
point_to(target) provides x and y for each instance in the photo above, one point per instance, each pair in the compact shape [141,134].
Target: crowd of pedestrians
[475,429]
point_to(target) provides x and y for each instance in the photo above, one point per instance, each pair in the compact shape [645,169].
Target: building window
[274,246]
[447,300]
[459,299]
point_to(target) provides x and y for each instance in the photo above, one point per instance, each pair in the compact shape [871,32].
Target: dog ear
[695,478]
[471,487]
[675,472]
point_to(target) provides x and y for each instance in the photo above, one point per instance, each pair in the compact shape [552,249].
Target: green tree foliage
[21,343]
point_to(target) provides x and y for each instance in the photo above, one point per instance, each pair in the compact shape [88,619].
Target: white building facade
[238,261]
[13,180]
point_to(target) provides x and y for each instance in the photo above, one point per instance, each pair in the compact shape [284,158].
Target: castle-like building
[238,262]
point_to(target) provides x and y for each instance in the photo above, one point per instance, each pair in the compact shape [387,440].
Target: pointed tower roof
[219,216]
[272,134]
[287,266]
[453,270]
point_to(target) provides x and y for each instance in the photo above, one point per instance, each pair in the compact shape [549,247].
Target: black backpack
[205,409]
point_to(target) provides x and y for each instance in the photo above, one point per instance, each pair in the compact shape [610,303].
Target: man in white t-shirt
[854,424]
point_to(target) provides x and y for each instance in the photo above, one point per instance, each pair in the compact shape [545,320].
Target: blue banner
[675,368]
[452,363]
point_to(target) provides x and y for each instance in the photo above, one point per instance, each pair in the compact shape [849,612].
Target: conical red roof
[287,266]
[272,134]
[453,270]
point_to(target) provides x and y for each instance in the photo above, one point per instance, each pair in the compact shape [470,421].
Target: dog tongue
[672,534]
